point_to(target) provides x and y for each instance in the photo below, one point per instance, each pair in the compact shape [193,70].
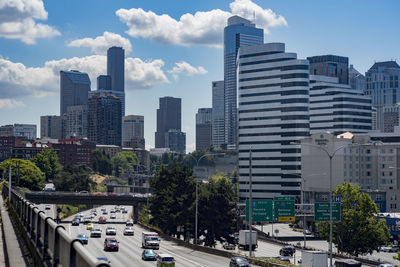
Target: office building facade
[169,117]
[331,66]
[50,127]
[7,130]
[74,88]
[273,113]
[116,70]
[76,122]
[104,82]
[356,79]
[338,108]
[203,128]
[218,115]
[25,130]
[132,126]
[238,33]
[104,119]
[175,140]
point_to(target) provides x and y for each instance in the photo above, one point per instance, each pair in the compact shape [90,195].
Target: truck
[244,239]
[150,240]
[314,258]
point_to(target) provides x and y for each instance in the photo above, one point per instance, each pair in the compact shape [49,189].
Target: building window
[368,166]
[383,166]
[383,173]
[390,173]
[383,151]
[378,197]
[368,151]
[383,181]
[324,197]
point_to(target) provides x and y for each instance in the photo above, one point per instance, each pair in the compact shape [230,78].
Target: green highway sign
[284,209]
[322,211]
[261,210]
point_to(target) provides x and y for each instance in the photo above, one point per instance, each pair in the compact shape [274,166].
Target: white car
[47,206]
[111,230]
[129,231]
[96,232]
[113,216]
[388,249]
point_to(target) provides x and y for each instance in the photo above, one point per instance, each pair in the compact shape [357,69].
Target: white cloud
[185,68]
[17,80]
[100,44]
[7,103]
[202,28]
[17,20]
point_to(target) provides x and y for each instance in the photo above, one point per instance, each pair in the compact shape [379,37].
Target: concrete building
[135,142]
[132,127]
[116,70]
[50,127]
[74,88]
[25,130]
[109,150]
[391,115]
[7,130]
[176,141]
[382,85]
[76,122]
[143,156]
[169,118]
[273,112]
[203,128]
[238,33]
[74,151]
[104,119]
[337,108]
[158,152]
[331,66]
[218,115]
[356,79]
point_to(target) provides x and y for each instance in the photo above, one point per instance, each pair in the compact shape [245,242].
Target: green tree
[24,173]
[217,213]
[47,162]
[124,162]
[100,162]
[73,178]
[359,231]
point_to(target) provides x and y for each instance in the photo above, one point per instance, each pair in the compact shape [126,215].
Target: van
[165,260]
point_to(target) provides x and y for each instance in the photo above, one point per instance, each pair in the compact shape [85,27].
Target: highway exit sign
[261,210]
[284,209]
[322,211]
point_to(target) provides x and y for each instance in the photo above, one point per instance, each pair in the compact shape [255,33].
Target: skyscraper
[218,115]
[203,128]
[50,127]
[76,122]
[104,119]
[273,113]
[356,79]
[331,66]
[132,128]
[116,68]
[104,82]
[168,118]
[74,88]
[239,32]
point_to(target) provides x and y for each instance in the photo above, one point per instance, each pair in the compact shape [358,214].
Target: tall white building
[218,119]
[273,113]
[338,108]
[132,126]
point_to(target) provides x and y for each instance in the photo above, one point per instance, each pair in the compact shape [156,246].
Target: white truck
[150,240]
[314,258]
[244,239]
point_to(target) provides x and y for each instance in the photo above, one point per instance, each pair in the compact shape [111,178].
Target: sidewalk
[12,245]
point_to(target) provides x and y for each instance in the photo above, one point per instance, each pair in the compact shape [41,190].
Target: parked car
[287,251]
[129,230]
[111,243]
[229,246]
[149,255]
[111,230]
[95,232]
[239,261]
[83,238]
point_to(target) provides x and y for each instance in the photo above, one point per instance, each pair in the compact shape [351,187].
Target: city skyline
[182,64]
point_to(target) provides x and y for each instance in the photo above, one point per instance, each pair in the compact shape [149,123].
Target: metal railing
[49,243]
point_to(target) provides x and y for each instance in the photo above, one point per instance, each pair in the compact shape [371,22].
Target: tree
[217,213]
[100,162]
[359,231]
[73,178]
[124,162]
[24,173]
[47,162]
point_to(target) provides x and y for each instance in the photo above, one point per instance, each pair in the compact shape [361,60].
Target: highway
[130,250]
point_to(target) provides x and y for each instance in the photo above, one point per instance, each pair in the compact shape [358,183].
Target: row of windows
[282,126]
[283,159]
[280,76]
[282,167]
[285,134]
[342,99]
[282,150]
[343,120]
[265,61]
[283,118]
[282,85]
[341,106]
[282,68]
[281,183]
[260,54]
[354,113]
[282,93]
[282,101]
[283,143]
[336,93]
[340,126]
[284,109]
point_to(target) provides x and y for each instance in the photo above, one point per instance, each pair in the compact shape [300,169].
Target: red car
[111,243]
[102,220]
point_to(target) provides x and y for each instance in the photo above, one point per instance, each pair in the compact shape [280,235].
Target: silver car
[111,230]
[129,231]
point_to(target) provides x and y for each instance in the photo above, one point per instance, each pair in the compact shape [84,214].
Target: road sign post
[261,210]
[284,209]
[322,211]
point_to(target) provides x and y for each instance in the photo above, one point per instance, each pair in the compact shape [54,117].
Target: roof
[386,64]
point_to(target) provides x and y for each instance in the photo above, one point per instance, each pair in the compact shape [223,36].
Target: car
[47,206]
[388,249]
[112,216]
[104,259]
[103,209]
[149,255]
[105,212]
[283,258]
[83,238]
[287,251]
[87,219]
[129,222]
[238,261]
[111,243]
[89,226]
[75,222]
[307,232]
[102,220]
[229,246]
[385,265]
[124,211]
[95,232]
[164,259]
[129,230]
[111,230]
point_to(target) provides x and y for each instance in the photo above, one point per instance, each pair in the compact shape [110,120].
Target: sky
[172,48]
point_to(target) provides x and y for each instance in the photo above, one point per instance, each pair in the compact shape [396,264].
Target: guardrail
[48,241]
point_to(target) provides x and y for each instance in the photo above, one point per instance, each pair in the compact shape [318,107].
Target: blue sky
[173,48]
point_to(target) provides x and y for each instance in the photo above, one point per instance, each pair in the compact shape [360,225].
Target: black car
[75,222]
[239,261]
[287,251]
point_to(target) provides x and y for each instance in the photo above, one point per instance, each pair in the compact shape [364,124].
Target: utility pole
[9,184]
